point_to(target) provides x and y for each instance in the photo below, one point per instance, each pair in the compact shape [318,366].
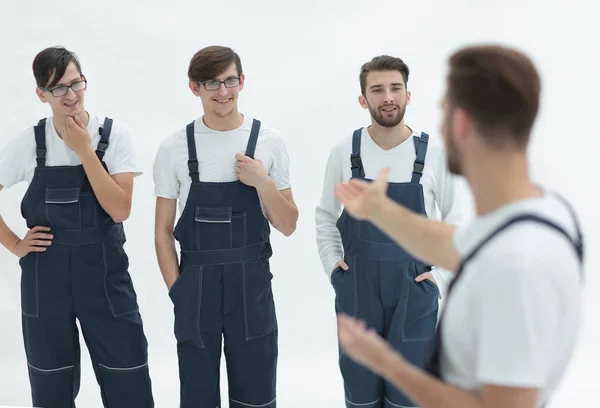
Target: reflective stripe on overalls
[83,275]
[434,367]
[224,292]
[380,288]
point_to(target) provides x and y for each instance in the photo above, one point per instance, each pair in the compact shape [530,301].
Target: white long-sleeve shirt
[440,190]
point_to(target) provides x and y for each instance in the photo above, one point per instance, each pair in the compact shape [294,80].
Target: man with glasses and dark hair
[229,173]
[80,170]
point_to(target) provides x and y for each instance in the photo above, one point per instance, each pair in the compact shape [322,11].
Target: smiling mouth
[389,109]
[71,104]
[222,101]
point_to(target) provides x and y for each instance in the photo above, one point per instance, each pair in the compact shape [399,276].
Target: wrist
[393,366]
[380,209]
[13,246]
[265,183]
[86,153]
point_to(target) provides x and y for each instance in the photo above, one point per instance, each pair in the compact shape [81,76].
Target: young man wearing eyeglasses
[228,174]
[80,170]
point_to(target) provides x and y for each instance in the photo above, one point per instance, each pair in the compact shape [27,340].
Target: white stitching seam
[363,405]
[54,370]
[123,369]
[398,406]
[253,406]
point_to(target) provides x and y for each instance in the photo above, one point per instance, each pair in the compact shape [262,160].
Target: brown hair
[52,63]
[382,63]
[211,61]
[499,87]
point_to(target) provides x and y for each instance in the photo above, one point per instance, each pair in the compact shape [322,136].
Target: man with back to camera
[512,315]
[374,278]
[229,173]
[80,169]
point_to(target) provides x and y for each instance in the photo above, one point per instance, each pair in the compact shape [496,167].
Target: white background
[301,62]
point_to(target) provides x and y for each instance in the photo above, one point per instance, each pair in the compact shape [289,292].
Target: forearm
[112,197]
[427,240]
[166,255]
[329,241]
[282,213]
[426,390]
[7,237]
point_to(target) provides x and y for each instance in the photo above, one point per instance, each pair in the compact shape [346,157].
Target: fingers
[242,157]
[40,242]
[78,122]
[383,175]
[422,277]
[425,275]
[40,235]
[36,249]
[344,265]
[342,194]
[39,228]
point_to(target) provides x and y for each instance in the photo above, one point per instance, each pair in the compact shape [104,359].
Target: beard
[453,157]
[388,120]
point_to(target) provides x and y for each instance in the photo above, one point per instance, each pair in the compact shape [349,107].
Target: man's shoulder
[266,132]
[529,244]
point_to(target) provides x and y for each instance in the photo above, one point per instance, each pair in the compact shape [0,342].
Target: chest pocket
[63,209]
[219,228]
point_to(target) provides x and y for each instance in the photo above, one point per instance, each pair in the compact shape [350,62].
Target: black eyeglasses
[63,89]
[213,85]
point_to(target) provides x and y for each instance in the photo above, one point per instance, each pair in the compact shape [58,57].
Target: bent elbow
[122,215]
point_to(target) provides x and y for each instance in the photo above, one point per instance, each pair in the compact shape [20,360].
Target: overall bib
[224,292]
[380,288]
[435,359]
[84,275]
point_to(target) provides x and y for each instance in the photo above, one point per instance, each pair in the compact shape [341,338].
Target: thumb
[421,277]
[383,176]
[78,121]
[382,179]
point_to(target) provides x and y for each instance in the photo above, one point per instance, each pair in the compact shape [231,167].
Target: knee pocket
[259,306]
[186,295]
[118,286]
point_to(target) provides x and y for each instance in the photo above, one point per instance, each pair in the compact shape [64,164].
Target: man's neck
[229,122]
[500,180]
[388,138]
[59,121]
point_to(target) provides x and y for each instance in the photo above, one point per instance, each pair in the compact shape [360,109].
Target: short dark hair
[211,61]
[499,87]
[52,63]
[382,63]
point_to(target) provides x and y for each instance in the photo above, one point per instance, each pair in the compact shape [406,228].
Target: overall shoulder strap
[355,160]
[39,131]
[192,158]
[104,136]
[577,245]
[421,150]
[251,148]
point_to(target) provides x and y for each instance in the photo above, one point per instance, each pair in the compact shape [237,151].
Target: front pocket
[421,311]
[219,228]
[63,210]
[30,285]
[259,305]
[345,286]
[186,295]
[118,286]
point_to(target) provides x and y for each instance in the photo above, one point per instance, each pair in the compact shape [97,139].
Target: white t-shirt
[513,316]
[440,189]
[18,158]
[216,152]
